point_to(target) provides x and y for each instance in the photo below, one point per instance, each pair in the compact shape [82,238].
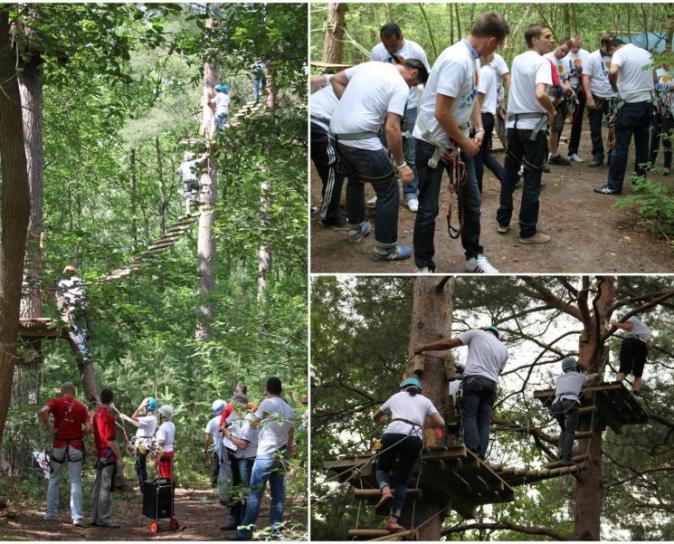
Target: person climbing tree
[220,102]
[189,172]
[71,302]
[402,440]
[147,424]
[633,350]
[212,434]
[166,435]
[108,462]
[487,357]
[71,423]
[565,406]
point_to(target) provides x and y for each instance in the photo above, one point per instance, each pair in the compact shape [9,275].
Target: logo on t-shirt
[560,68]
[578,62]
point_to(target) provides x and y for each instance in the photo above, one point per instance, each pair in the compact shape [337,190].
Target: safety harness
[66,453]
[540,125]
[104,461]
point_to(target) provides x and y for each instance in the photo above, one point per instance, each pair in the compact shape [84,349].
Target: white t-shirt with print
[560,66]
[374,89]
[213,428]
[409,50]
[454,74]
[243,430]
[635,78]
[665,88]
[500,67]
[221,103]
[167,432]
[487,355]
[277,418]
[528,70]
[597,67]
[145,431]
[414,408]
[574,65]
[322,105]
[487,86]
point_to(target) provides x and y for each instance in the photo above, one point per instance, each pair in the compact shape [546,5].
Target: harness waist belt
[530,115]
[323,120]
[356,136]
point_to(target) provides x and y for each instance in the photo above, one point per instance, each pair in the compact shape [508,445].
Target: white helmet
[166,412]
[218,406]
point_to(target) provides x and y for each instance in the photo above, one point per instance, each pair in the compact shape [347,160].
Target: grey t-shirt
[639,330]
[277,418]
[569,385]
[487,355]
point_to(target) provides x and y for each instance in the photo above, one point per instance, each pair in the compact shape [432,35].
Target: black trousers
[633,354]
[577,124]
[596,116]
[324,156]
[568,423]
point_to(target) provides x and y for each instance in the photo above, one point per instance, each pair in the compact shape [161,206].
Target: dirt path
[197,511]
[589,234]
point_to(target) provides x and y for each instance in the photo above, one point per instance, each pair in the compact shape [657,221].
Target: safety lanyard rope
[458,176]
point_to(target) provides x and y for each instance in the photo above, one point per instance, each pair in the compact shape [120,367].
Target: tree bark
[15,213]
[134,198]
[333,42]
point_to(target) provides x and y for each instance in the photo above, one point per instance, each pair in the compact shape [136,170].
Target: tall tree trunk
[134,198]
[264,252]
[333,42]
[450,9]
[458,21]
[162,188]
[15,213]
[430,31]
[431,321]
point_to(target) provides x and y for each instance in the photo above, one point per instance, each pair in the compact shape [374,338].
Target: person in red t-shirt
[108,462]
[70,424]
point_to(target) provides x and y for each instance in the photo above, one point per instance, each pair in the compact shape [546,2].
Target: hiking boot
[372,202]
[503,229]
[480,265]
[574,157]
[606,190]
[413,204]
[361,231]
[335,223]
[596,161]
[538,238]
[397,253]
[558,159]
[385,498]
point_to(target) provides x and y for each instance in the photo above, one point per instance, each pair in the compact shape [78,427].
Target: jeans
[479,394]
[577,123]
[220,121]
[409,147]
[406,451]
[361,165]
[259,86]
[662,126]
[141,468]
[264,469]
[532,154]
[568,422]
[79,326]
[429,195]
[324,157]
[101,502]
[596,117]
[73,462]
[632,119]
[484,157]
[241,471]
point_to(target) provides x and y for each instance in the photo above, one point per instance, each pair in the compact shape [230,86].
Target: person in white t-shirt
[487,99]
[447,112]
[563,97]
[530,109]
[221,104]
[275,420]
[394,48]
[73,305]
[402,441]
[500,67]
[189,173]
[166,435]
[633,350]
[487,357]
[663,117]
[213,436]
[145,419]
[632,76]
[322,104]
[601,99]
[575,61]
[373,94]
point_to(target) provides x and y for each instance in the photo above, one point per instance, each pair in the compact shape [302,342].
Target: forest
[100,105]
[363,330]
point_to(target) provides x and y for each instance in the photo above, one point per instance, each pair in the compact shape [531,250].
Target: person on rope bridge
[259,70]
[70,423]
[108,462]
[402,440]
[145,419]
[220,102]
[276,421]
[565,406]
[71,301]
[487,357]
[447,113]
[166,435]
[563,97]
[633,350]
[240,432]
[189,172]
[632,75]
[370,95]
[212,434]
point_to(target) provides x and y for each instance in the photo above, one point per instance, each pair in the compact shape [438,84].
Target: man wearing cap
[402,440]
[70,300]
[633,350]
[487,357]
[146,420]
[565,406]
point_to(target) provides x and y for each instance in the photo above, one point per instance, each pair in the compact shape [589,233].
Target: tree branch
[507,526]
[550,298]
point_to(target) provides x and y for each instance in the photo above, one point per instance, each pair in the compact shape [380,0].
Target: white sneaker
[413,204]
[575,158]
[423,270]
[372,202]
[480,265]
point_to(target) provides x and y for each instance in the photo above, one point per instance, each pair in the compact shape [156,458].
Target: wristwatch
[404,163]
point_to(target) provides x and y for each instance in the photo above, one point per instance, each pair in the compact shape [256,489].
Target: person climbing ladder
[72,303]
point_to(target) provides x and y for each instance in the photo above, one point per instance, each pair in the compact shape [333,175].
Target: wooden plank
[409,534]
[367,533]
[330,66]
[371,494]
[575,459]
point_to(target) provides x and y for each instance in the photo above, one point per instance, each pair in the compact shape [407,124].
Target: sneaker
[605,190]
[538,238]
[480,265]
[394,526]
[424,270]
[575,158]
[397,253]
[502,229]
[79,523]
[413,204]
[372,202]
[385,498]
[596,161]
[558,159]
[339,222]
[357,234]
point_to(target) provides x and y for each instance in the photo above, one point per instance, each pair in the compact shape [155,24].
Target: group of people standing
[370,123]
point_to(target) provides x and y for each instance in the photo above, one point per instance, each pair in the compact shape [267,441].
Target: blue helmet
[492,330]
[222,88]
[410,382]
[569,364]
[151,404]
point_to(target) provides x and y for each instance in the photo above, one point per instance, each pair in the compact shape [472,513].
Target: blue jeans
[264,469]
[479,394]
[79,325]
[361,165]
[259,86]
[409,148]
[406,451]
[220,121]
[631,119]
[429,195]
[241,471]
[73,464]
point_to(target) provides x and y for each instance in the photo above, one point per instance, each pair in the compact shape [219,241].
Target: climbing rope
[458,175]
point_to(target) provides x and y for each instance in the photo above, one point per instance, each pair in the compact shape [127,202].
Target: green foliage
[654,203]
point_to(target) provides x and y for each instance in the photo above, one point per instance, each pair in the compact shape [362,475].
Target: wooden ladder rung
[375,494]
[365,533]
[576,459]
[583,434]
